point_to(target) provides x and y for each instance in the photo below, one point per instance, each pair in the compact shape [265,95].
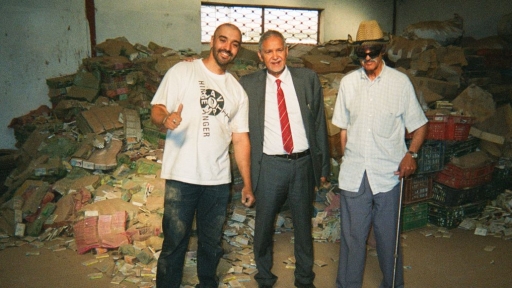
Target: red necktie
[286,132]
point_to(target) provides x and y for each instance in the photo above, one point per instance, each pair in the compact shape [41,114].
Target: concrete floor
[458,261]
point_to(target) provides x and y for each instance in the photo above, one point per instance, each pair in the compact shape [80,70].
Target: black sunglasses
[374,53]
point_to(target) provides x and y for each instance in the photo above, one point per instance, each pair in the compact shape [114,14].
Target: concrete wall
[170,23]
[44,39]
[39,40]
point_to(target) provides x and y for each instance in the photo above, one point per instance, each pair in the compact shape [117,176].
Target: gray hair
[268,34]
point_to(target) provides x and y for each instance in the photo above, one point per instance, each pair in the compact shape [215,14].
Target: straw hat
[370,32]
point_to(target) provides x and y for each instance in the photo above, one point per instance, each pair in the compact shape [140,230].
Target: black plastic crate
[503,175]
[460,148]
[451,217]
[448,196]
[491,190]
[430,156]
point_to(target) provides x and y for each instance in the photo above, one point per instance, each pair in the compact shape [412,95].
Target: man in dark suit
[289,153]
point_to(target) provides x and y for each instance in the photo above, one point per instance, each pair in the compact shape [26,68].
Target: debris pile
[88,167]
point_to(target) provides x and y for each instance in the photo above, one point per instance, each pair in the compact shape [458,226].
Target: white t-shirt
[214,107]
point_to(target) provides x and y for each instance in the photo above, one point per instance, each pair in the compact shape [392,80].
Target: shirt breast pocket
[386,123]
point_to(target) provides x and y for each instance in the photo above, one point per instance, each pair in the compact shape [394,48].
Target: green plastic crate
[414,216]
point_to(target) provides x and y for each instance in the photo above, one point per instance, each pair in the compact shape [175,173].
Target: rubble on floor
[87,169]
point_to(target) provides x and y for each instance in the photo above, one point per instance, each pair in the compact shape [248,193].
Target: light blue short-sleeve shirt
[375,114]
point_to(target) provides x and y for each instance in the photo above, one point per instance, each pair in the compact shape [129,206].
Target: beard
[221,61]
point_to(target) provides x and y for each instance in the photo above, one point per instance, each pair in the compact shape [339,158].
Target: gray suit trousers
[359,210]
[280,180]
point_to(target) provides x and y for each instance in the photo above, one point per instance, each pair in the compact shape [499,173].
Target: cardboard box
[329,101]
[335,145]
[446,89]
[331,128]
[324,63]
[486,136]
[99,119]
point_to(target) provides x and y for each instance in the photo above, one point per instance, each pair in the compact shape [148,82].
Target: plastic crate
[457,127]
[501,180]
[459,178]
[448,196]
[417,188]
[456,171]
[491,190]
[502,174]
[461,183]
[450,217]
[447,127]
[430,156]
[460,148]
[436,127]
[414,216]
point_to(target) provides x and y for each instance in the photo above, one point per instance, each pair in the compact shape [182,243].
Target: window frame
[263,7]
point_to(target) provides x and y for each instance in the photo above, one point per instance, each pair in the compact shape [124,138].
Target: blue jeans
[182,201]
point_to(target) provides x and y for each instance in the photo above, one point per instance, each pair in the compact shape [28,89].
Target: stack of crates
[418,187]
[458,193]
[427,201]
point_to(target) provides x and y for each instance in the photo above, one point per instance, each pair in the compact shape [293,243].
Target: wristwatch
[414,155]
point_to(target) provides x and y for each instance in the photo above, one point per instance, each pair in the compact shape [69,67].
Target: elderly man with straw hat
[375,105]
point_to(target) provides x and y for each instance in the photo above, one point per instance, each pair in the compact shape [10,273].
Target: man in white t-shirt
[204,109]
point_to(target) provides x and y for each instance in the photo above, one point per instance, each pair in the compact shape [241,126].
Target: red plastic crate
[459,178]
[461,183]
[457,127]
[417,188]
[446,127]
[436,127]
[455,171]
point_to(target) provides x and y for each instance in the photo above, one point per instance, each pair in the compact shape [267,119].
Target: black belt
[293,156]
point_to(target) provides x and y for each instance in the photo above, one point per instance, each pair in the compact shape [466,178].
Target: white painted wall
[45,39]
[170,23]
[39,40]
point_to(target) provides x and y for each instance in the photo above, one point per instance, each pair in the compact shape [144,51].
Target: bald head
[221,27]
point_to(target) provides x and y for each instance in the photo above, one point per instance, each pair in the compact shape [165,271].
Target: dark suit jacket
[311,102]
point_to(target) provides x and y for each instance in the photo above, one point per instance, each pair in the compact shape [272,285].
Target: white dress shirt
[273,141]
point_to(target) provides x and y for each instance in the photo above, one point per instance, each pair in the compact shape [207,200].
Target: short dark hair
[268,34]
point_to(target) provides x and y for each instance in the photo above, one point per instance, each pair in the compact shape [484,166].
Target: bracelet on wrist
[165,119]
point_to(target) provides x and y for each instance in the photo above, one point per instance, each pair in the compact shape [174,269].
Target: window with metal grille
[297,25]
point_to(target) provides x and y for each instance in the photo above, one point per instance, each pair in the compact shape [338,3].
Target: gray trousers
[280,180]
[359,210]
